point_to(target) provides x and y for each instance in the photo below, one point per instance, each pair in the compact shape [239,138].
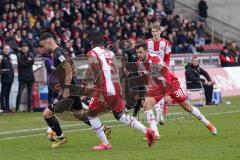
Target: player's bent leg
[159,111]
[82,116]
[137,107]
[107,130]
[53,123]
[186,106]
[130,120]
[98,128]
[195,111]
[147,106]
[47,113]
[77,110]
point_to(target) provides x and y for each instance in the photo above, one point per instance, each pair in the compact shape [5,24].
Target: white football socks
[159,112]
[198,115]
[97,126]
[152,121]
[130,120]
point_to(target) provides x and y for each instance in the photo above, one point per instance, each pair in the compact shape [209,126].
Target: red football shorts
[106,103]
[176,94]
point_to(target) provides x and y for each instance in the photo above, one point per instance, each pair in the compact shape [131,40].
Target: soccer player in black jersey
[65,75]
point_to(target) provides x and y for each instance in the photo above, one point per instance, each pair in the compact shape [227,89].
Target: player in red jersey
[161,47]
[107,95]
[162,83]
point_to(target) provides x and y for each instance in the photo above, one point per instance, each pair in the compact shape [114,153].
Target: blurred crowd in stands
[230,55]
[72,20]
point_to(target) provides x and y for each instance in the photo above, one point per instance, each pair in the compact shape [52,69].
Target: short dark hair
[140,43]
[24,44]
[45,35]
[97,38]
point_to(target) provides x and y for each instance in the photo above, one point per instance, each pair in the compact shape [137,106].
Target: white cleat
[161,120]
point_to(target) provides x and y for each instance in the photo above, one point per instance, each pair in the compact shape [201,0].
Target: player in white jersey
[162,83]
[107,94]
[158,45]
[161,47]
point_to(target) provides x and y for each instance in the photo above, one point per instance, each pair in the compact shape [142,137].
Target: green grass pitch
[23,137]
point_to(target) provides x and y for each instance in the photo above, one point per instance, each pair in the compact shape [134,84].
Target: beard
[143,58]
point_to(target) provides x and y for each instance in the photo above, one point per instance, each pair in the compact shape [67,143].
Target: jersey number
[179,93]
[111,64]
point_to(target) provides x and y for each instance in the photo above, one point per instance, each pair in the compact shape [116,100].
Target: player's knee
[47,113]
[92,113]
[146,106]
[148,103]
[186,106]
[118,115]
[80,115]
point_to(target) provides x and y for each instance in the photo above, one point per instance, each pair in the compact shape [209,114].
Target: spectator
[68,14]
[226,58]
[238,59]
[190,43]
[32,43]
[69,49]
[182,42]
[25,75]
[199,41]
[169,6]
[193,73]
[7,77]
[202,9]
[37,8]
[234,51]
[70,20]
[9,39]
[36,30]
[78,49]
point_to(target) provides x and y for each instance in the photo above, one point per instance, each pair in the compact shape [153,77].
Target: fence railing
[218,29]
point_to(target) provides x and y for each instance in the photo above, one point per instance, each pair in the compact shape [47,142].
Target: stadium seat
[197,89]
[212,48]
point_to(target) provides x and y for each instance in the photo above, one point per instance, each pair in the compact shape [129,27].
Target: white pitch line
[74,130]
[44,128]
[219,113]
[32,135]
[209,114]
[36,129]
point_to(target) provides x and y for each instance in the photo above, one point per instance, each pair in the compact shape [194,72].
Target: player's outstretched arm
[69,73]
[68,78]
[162,67]
[88,75]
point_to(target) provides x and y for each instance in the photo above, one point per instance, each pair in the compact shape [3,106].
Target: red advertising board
[227,79]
